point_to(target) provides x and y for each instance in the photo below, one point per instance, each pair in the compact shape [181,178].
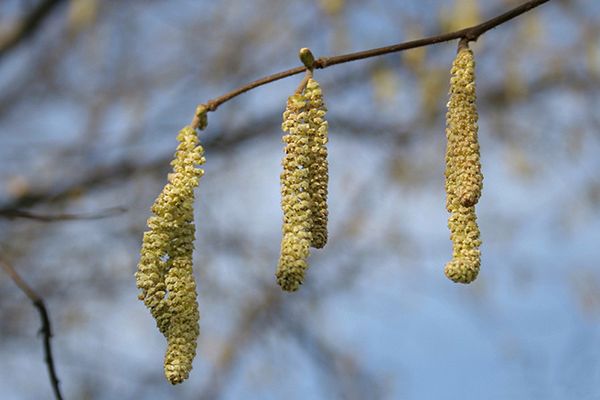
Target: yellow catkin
[164,274]
[462,156]
[464,234]
[295,196]
[319,169]
[463,171]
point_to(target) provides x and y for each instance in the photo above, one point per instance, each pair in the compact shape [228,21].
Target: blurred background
[92,95]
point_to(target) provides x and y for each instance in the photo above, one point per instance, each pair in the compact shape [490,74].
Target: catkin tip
[461,271]
[289,282]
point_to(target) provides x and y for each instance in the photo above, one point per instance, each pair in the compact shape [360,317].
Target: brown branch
[56,192]
[19,213]
[46,329]
[469,34]
[27,27]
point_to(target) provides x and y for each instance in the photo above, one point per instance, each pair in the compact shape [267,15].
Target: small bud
[306,57]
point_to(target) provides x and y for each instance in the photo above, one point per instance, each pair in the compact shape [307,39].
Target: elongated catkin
[319,168]
[304,182]
[463,171]
[295,196]
[164,273]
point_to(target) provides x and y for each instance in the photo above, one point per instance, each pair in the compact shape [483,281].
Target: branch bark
[59,191]
[469,34]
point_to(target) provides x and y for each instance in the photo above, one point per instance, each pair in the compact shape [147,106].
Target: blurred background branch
[16,213]
[45,330]
[27,26]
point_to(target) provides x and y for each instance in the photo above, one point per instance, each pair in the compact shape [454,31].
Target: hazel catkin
[304,183]
[463,167]
[319,168]
[295,196]
[463,171]
[164,273]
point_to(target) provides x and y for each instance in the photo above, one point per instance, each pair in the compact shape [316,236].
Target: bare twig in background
[349,378]
[256,314]
[46,329]
[18,213]
[27,27]
[468,34]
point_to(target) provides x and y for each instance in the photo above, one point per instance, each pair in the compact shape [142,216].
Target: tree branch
[27,27]
[87,180]
[468,34]
[46,329]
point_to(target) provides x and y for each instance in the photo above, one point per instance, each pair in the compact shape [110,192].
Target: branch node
[320,63]
[471,36]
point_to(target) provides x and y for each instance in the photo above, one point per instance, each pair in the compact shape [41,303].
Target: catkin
[295,196]
[164,273]
[463,167]
[304,183]
[319,169]
[463,171]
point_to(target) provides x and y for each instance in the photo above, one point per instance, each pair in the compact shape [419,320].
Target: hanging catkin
[295,196]
[164,273]
[463,170]
[319,169]
[304,182]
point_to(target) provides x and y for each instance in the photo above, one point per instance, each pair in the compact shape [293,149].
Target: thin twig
[46,329]
[18,213]
[255,314]
[351,380]
[470,34]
